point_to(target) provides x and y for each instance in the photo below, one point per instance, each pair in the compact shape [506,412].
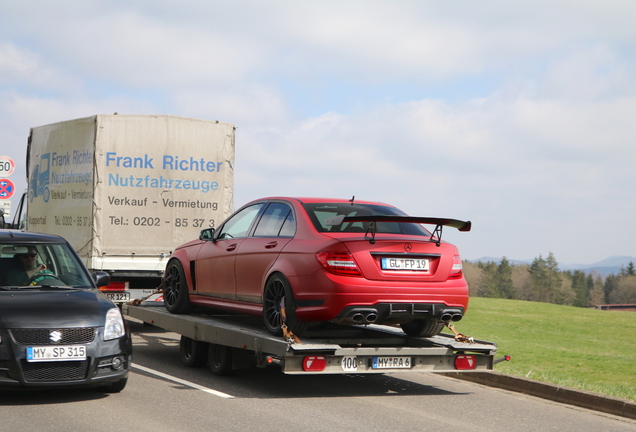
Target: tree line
[542,281]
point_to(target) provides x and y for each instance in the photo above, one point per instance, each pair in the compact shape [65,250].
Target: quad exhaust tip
[364,317]
[449,315]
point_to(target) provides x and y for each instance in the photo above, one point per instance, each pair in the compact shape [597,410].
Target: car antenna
[353,198]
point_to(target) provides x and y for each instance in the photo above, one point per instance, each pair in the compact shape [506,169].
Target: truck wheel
[278,290]
[193,353]
[175,296]
[220,359]
[422,328]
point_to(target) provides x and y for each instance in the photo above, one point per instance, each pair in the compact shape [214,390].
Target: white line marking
[184,382]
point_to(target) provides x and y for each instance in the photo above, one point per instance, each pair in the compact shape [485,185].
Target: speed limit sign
[7,166]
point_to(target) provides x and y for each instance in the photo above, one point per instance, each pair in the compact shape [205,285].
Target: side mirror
[207,234]
[101,278]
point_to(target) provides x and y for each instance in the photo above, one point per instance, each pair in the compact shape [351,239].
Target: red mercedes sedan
[298,261]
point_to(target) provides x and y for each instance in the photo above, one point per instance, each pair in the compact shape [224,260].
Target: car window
[273,220]
[239,224]
[20,263]
[289,226]
[320,212]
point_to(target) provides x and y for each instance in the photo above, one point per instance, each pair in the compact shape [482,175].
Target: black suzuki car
[56,328]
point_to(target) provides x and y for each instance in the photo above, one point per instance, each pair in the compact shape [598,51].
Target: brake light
[456,271]
[115,286]
[340,263]
[314,363]
[465,362]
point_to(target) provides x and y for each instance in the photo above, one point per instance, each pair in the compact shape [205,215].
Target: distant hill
[608,266]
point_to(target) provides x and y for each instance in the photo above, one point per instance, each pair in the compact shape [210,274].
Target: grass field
[574,347]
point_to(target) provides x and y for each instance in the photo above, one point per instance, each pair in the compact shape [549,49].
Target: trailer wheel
[193,353]
[220,359]
[277,289]
[422,328]
[176,297]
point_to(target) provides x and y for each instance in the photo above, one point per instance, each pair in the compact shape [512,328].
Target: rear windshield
[320,212]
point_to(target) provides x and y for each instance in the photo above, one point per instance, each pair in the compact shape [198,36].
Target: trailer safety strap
[288,335]
[460,337]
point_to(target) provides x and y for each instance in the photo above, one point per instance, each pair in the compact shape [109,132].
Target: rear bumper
[328,297]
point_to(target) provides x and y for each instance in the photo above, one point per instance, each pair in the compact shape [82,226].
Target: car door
[257,253]
[214,268]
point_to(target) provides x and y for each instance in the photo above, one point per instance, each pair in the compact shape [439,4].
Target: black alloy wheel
[175,296]
[277,291]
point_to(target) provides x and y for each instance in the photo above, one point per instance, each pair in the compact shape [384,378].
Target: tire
[422,328]
[115,387]
[193,353]
[220,359]
[277,289]
[175,297]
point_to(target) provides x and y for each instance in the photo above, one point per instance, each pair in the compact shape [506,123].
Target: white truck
[125,190]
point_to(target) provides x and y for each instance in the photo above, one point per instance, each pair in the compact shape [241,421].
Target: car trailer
[230,342]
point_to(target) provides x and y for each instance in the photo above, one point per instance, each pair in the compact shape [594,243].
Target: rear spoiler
[438,222]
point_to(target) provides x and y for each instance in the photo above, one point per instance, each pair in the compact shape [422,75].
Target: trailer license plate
[391,363]
[57,353]
[118,297]
[412,264]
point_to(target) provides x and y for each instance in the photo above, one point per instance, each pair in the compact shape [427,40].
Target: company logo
[408,247]
[55,336]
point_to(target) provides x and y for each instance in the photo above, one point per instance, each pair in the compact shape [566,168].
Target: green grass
[574,347]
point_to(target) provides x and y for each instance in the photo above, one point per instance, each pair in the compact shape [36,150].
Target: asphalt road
[163,395]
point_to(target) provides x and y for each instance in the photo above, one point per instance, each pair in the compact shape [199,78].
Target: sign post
[7,188]
[7,166]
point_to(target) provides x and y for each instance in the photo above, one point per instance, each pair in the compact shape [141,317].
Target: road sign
[7,166]
[7,188]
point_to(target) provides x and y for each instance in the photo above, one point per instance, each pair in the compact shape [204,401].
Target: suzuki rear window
[320,212]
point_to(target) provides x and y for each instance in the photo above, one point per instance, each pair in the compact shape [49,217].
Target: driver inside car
[28,270]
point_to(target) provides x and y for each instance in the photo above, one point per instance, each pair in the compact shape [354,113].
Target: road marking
[184,382]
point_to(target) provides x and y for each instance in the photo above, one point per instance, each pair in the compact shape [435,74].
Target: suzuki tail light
[340,263]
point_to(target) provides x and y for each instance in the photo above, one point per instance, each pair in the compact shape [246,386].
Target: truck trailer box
[125,190]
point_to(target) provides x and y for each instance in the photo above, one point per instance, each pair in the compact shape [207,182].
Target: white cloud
[541,159]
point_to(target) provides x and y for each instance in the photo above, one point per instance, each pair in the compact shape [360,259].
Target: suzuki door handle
[271,245]
[231,247]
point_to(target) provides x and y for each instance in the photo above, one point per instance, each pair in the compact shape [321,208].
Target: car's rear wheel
[193,353]
[422,328]
[175,296]
[278,292]
[220,359]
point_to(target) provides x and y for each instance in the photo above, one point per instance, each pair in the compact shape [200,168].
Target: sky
[517,116]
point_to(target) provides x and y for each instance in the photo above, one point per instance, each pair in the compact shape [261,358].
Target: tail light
[465,362]
[314,363]
[115,286]
[456,270]
[340,263]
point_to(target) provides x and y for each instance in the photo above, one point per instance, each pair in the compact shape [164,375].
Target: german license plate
[413,264]
[118,297]
[391,363]
[56,353]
